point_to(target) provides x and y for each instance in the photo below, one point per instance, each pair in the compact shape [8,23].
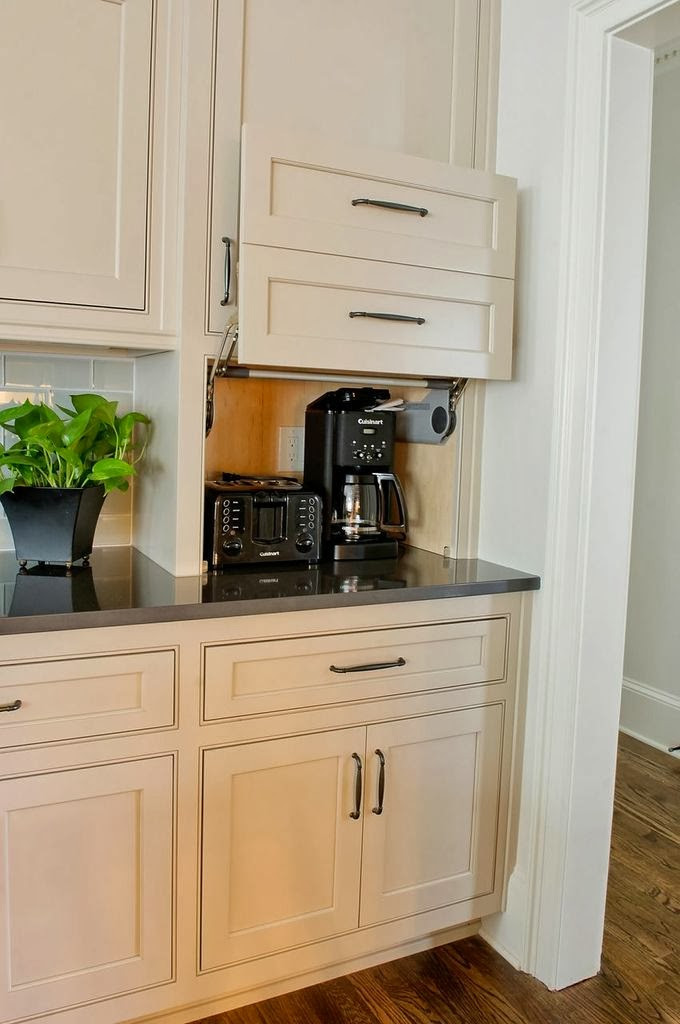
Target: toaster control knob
[232,547]
[304,542]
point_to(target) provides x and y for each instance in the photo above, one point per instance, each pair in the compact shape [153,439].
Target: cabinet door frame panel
[486,724]
[220,945]
[153,779]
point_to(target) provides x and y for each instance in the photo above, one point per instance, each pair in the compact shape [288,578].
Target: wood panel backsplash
[244,439]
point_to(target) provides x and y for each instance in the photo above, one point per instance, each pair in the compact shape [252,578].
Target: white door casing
[580,658]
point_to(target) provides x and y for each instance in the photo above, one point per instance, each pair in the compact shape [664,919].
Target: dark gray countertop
[122,587]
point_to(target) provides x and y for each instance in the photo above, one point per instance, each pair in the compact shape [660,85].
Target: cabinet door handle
[356,813]
[227,270]
[387,316]
[13,706]
[375,667]
[381,783]
[383,204]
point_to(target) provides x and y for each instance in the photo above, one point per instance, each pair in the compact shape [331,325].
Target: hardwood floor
[467,983]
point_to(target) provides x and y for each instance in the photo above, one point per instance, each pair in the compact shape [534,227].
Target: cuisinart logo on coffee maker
[370,423]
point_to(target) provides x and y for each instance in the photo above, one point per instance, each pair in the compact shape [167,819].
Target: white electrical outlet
[291,449]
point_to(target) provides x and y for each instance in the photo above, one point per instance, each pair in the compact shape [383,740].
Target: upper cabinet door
[76,77]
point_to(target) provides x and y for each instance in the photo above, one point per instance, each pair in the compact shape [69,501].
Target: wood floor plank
[468,983]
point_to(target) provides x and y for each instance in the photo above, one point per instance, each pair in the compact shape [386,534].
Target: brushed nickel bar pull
[381,783]
[374,667]
[383,204]
[14,706]
[356,813]
[388,316]
[227,270]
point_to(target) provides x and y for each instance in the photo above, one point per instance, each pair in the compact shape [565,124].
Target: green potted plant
[54,478]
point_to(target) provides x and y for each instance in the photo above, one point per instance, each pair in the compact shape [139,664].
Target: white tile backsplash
[113,374]
[48,371]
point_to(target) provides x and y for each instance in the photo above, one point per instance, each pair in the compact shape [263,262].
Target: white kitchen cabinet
[316,194]
[85,884]
[283,859]
[310,311]
[433,844]
[359,259]
[421,88]
[183,844]
[281,855]
[88,188]
[280,675]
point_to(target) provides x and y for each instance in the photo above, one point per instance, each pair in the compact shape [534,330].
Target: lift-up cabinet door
[354,258]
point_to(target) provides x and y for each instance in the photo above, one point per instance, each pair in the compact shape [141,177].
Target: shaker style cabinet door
[281,854]
[76,81]
[434,842]
[86,860]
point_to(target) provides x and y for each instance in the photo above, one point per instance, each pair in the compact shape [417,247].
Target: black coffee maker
[349,453]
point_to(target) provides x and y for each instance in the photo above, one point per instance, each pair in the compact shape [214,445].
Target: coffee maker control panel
[364,439]
[370,454]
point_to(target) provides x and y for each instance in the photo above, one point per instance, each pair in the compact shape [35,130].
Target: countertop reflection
[123,587]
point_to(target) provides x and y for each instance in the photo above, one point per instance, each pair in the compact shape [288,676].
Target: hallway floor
[467,983]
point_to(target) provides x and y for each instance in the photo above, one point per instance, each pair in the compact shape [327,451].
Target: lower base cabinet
[86,890]
[313,836]
[196,815]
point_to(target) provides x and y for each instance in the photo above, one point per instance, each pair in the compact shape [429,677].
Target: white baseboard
[650,715]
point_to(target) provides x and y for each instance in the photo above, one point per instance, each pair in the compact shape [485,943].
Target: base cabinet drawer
[319,835]
[282,675]
[86,891]
[43,701]
[315,311]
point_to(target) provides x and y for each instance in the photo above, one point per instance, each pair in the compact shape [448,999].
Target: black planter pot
[53,524]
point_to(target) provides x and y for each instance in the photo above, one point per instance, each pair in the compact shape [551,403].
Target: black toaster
[258,520]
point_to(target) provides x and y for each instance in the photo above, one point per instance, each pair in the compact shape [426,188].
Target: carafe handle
[396,530]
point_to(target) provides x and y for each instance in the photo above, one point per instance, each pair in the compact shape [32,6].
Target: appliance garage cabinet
[198,814]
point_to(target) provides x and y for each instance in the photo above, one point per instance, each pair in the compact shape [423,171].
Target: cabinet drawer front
[298,310]
[100,696]
[257,678]
[302,193]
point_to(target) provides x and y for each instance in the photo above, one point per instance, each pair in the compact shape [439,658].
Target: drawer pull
[356,813]
[399,663]
[388,316]
[383,204]
[14,706]
[381,783]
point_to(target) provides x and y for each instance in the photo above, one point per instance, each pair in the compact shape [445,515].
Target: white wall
[516,457]
[651,697]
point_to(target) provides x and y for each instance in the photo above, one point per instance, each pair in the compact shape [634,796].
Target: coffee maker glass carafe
[356,512]
[363,507]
